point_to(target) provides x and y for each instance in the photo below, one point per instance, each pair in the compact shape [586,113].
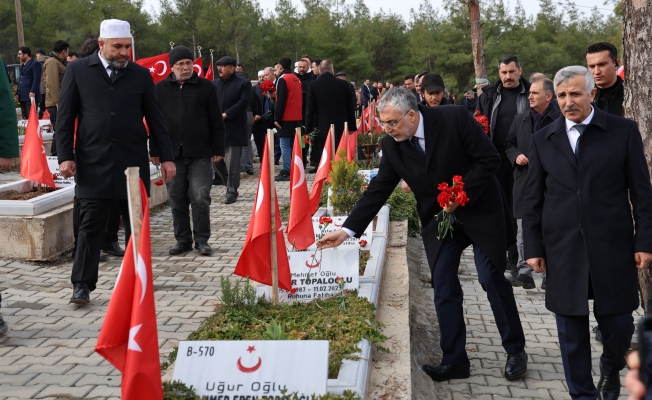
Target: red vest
[293,107]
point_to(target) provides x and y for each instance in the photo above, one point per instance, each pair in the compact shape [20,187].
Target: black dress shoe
[283,176]
[113,248]
[180,248]
[516,365]
[103,258]
[230,199]
[543,284]
[80,294]
[250,172]
[609,387]
[598,334]
[204,248]
[441,373]
[524,281]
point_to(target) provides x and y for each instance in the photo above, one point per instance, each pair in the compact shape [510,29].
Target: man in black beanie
[193,116]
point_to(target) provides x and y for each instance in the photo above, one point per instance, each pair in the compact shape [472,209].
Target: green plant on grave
[276,331]
[233,295]
[346,185]
[320,319]
[404,206]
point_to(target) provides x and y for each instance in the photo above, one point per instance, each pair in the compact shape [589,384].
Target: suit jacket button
[430,172]
[111,88]
[112,113]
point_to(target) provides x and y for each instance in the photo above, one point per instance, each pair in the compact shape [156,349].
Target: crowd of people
[537,204]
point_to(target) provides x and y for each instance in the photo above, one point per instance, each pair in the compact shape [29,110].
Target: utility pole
[19,23]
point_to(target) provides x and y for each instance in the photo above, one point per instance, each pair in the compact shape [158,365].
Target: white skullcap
[261,72]
[115,29]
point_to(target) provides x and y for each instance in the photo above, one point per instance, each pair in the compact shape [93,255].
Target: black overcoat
[455,145]
[193,116]
[517,143]
[329,101]
[577,215]
[234,95]
[111,135]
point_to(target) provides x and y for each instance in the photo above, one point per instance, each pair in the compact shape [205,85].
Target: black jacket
[111,135]
[234,95]
[306,79]
[517,143]
[470,105]
[577,214]
[330,102]
[490,99]
[455,145]
[615,105]
[193,116]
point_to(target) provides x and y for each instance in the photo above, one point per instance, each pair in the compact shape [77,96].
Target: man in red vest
[288,113]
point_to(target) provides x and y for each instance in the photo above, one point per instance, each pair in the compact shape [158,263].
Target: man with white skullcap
[109,96]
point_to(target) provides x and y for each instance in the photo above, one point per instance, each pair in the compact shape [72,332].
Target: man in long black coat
[542,113]
[426,146]
[234,95]
[579,226]
[109,95]
[329,101]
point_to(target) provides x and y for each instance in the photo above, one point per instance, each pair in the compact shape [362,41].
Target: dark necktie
[580,128]
[415,143]
[113,75]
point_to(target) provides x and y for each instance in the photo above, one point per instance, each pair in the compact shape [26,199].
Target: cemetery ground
[49,351]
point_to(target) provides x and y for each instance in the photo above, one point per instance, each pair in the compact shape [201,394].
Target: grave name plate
[59,181]
[337,223]
[235,370]
[314,273]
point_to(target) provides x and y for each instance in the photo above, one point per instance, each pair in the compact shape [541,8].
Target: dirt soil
[16,195]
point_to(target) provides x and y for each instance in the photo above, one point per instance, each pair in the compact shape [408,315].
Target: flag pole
[334,150]
[135,207]
[212,73]
[347,133]
[133,47]
[272,203]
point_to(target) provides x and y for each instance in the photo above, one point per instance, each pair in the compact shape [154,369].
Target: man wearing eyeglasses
[426,146]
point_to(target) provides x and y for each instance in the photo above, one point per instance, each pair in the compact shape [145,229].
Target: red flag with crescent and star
[209,73]
[323,170]
[129,338]
[300,230]
[255,260]
[33,161]
[198,66]
[159,66]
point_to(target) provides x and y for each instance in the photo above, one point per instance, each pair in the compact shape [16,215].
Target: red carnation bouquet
[482,120]
[267,86]
[447,195]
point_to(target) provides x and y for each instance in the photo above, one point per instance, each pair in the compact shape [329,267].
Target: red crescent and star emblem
[338,225]
[312,265]
[249,370]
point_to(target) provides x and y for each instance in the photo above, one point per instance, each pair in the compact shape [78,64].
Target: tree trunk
[19,23]
[637,29]
[476,39]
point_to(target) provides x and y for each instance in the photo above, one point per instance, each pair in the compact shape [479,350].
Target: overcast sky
[531,6]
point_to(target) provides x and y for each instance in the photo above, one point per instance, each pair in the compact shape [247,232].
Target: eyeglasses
[392,124]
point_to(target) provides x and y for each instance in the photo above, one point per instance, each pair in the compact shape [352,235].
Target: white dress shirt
[107,68]
[422,142]
[572,132]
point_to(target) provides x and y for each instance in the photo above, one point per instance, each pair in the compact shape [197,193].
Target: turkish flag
[33,161]
[198,66]
[159,66]
[323,170]
[300,230]
[209,73]
[255,260]
[128,338]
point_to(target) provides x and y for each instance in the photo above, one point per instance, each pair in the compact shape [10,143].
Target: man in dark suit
[517,147]
[109,95]
[365,94]
[29,86]
[329,101]
[579,226]
[426,146]
[234,95]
